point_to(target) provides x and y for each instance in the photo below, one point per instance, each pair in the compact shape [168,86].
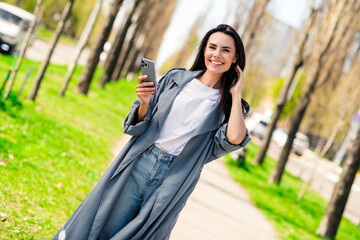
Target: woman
[195,117]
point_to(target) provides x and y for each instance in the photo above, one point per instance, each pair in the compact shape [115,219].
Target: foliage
[292,218]
[53,151]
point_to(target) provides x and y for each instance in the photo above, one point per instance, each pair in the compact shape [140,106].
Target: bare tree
[82,43]
[324,41]
[24,46]
[332,217]
[117,46]
[284,96]
[153,32]
[180,57]
[145,10]
[41,72]
[253,23]
[94,57]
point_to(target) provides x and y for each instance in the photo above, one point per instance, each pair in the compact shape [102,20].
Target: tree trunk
[253,23]
[133,62]
[305,99]
[320,154]
[117,46]
[18,3]
[82,43]
[284,96]
[331,220]
[86,77]
[23,49]
[41,72]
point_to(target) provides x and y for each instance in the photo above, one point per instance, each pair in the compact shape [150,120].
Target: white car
[257,124]
[279,136]
[300,143]
[14,23]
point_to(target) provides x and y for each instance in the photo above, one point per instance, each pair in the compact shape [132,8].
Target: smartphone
[148,67]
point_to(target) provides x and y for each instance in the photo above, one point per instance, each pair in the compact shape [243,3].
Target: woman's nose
[217,53]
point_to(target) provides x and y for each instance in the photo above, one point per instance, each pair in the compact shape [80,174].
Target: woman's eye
[212,47]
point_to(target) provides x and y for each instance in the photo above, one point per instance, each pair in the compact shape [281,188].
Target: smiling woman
[194,118]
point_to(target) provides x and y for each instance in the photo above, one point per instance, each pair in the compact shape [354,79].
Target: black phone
[148,67]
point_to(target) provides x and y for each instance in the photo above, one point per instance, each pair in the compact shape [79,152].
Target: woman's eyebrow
[213,44]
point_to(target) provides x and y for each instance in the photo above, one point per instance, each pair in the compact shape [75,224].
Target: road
[62,53]
[326,176]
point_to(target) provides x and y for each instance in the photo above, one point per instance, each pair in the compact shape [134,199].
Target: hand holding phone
[148,67]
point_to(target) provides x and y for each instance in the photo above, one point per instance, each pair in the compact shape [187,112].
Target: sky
[292,12]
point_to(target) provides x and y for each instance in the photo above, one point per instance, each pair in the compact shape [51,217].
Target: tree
[45,63]
[253,23]
[180,58]
[82,43]
[284,96]
[24,46]
[332,217]
[146,9]
[153,33]
[321,47]
[117,46]
[94,57]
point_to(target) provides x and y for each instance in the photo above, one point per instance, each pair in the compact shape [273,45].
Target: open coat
[160,212]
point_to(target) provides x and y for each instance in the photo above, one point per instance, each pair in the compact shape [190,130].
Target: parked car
[279,136]
[257,124]
[300,144]
[14,22]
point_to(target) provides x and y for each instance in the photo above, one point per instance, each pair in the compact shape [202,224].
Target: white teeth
[217,63]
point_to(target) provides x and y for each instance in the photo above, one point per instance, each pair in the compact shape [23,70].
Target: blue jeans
[148,174]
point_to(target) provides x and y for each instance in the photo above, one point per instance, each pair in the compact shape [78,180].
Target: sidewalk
[218,209]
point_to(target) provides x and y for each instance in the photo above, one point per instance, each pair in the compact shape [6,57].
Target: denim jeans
[148,174]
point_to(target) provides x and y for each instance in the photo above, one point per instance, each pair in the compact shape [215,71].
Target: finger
[145,84]
[147,94]
[142,78]
[144,90]
[238,69]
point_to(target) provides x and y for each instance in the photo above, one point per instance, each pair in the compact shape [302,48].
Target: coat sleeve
[136,129]
[221,145]
[132,128]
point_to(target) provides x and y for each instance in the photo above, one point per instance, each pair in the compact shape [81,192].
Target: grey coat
[159,214]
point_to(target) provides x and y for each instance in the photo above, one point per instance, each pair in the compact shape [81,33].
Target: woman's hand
[145,90]
[235,90]
[236,131]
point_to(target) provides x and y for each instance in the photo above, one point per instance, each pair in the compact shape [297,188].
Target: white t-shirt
[190,108]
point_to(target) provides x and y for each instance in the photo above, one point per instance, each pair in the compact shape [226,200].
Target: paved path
[218,209]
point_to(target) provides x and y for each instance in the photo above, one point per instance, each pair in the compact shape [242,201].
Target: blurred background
[301,77]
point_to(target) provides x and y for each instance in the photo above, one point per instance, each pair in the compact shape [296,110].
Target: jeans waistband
[158,152]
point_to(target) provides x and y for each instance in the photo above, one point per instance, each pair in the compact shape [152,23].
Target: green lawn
[292,218]
[47,34]
[54,150]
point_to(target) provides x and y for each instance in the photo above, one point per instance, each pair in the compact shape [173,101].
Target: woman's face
[219,53]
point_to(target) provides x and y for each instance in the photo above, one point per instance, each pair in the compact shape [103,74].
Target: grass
[47,34]
[54,150]
[293,219]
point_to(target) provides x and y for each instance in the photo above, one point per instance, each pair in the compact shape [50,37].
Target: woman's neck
[211,80]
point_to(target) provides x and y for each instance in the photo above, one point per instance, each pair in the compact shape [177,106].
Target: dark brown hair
[229,78]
